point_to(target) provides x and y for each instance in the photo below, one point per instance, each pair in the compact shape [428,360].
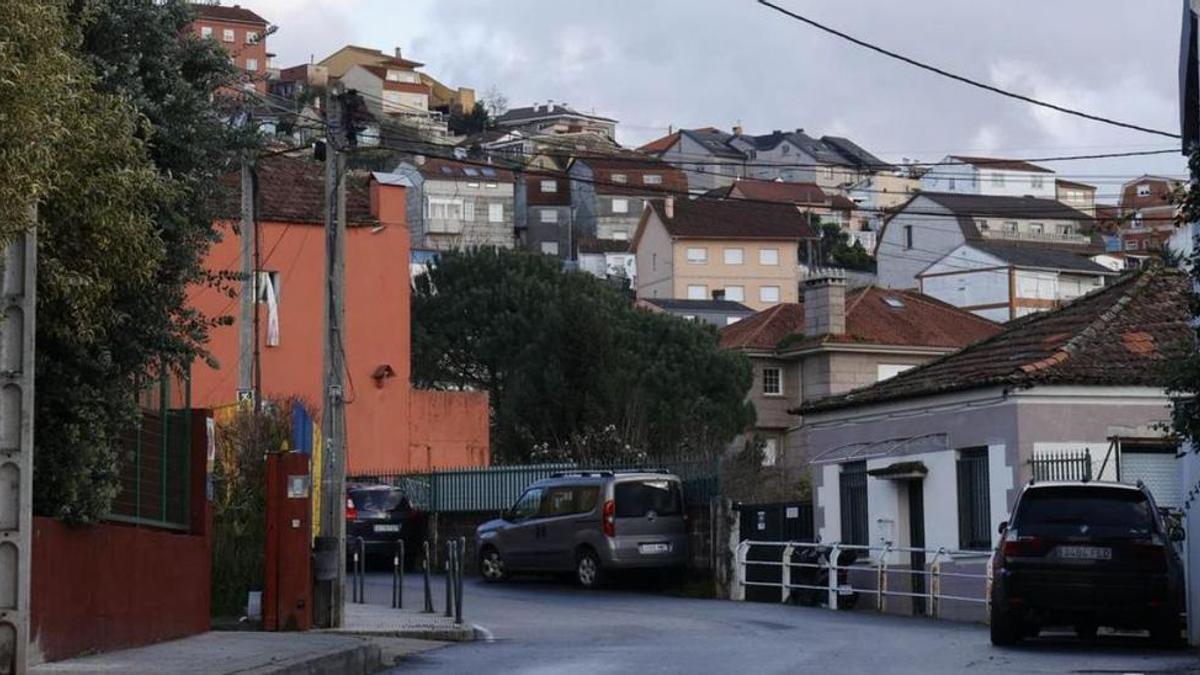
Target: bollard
[449,566]
[362,570]
[398,576]
[458,591]
[428,593]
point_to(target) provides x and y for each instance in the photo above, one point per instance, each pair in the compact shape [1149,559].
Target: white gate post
[738,591]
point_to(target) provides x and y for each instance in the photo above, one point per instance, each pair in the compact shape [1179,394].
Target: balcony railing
[1036,236]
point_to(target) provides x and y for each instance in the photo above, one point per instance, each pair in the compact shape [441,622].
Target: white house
[989,176]
[933,224]
[1002,280]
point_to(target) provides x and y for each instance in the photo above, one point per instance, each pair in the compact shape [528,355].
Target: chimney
[669,208]
[737,130]
[398,53]
[825,302]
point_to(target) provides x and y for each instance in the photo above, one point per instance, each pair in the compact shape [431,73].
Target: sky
[656,64]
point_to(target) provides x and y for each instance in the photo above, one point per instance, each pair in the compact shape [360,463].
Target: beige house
[835,340]
[1079,196]
[748,252]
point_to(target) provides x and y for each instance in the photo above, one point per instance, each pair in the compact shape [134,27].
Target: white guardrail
[878,564]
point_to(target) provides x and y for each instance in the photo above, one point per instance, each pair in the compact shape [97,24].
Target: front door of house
[916,540]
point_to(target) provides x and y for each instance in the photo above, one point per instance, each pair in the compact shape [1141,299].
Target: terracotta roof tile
[226,13]
[734,219]
[292,190]
[1075,344]
[779,191]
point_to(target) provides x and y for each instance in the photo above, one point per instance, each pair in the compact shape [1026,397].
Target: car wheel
[1087,631]
[587,569]
[491,566]
[1006,629]
[1166,632]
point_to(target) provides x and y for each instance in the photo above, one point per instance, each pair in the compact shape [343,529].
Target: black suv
[381,515]
[1086,554]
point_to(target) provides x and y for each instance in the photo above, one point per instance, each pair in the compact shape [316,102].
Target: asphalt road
[544,626]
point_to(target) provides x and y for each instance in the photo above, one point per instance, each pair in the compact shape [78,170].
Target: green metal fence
[155,457]
[494,488]
[1064,465]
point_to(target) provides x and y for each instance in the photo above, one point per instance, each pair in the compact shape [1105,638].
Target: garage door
[1159,471]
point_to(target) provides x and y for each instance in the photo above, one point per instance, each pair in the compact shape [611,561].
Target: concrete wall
[476,231]
[750,276]
[704,170]
[933,236]
[448,424]
[981,181]
[655,261]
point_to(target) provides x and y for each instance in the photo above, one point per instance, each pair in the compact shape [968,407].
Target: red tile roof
[733,219]
[236,13]
[292,190]
[439,168]
[1002,164]
[385,59]
[634,168]
[1073,185]
[533,189]
[660,144]
[779,191]
[920,321]
[1120,335]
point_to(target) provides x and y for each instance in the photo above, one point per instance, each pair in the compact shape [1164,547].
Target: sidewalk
[380,621]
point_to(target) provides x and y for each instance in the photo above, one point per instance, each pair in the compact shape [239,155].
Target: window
[1143,190]
[1066,229]
[1037,228]
[885,371]
[768,256]
[445,209]
[206,31]
[227,35]
[654,261]
[473,185]
[252,65]
[772,382]
[651,179]
[549,186]
[997,179]
[852,490]
[1010,226]
[697,292]
[469,211]
[620,206]
[735,293]
[974,505]
[951,183]
[619,178]
[495,213]
[768,294]
[733,256]
[527,505]
[1035,182]
[785,149]
[770,451]
[697,255]
[549,215]
[689,317]
[251,37]
[908,237]
[564,501]
[490,186]
[620,235]
[636,499]
[1130,245]
[550,247]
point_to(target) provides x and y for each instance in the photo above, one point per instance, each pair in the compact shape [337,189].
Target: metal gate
[1159,469]
[779,521]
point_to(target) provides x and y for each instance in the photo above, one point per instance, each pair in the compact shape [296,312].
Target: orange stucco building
[390,426]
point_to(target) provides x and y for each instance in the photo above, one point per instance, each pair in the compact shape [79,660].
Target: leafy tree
[472,122]
[122,173]
[837,250]
[572,368]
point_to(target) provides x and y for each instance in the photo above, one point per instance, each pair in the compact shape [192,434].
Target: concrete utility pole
[18,288]
[327,595]
[249,286]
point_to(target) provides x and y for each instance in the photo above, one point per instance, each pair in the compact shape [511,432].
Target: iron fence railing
[494,488]
[1062,465]
[155,457]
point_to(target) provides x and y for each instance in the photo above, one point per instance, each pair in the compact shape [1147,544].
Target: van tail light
[610,518]
[351,512]
[1023,547]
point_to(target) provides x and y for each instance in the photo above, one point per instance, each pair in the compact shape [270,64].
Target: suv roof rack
[646,470]
[582,474]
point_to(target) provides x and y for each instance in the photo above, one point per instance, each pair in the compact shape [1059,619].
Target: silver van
[588,523]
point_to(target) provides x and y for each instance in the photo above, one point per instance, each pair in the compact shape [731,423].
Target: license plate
[387,528]
[651,549]
[1084,553]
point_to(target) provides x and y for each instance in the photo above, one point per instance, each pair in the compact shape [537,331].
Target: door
[519,541]
[916,539]
[567,512]
[649,520]
[1158,468]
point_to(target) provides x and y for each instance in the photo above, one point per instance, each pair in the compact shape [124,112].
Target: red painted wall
[381,418]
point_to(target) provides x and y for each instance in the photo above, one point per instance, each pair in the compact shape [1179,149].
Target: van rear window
[378,500]
[1081,511]
[637,498]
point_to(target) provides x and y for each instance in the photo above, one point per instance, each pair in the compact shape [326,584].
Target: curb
[363,658]
[437,634]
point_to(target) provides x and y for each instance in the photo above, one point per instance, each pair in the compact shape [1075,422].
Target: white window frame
[765,293]
[620,235]
[997,179]
[768,256]
[550,247]
[252,65]
[469,210]
[1036,181]
[777,391]
[651,179]
[1143,190]
[697,255]
[620,205]
[206,31]
[549,186]
[495,212]
[770,451]
[735,256]
[697,292]
[548,216]
[620,178]
[251,37]
[735,293]
[227,35]
[1037,228]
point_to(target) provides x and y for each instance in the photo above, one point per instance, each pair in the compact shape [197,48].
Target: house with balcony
[610,193]
[550,118]
[454,205]
[242,33]
[391,85]
[836,339]
[989,176]
[1079,196]
[700,249]
[932,225]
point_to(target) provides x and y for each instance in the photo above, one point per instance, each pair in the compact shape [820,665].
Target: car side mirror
[1003,527]
[1177,534]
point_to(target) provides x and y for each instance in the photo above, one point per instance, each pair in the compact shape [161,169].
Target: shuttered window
[974,505]
[852,487]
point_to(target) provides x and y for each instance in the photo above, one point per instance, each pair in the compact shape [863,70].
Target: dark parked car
[381,515]
[1086,554]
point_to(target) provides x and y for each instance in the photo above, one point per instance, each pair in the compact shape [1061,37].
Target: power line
[960,78]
